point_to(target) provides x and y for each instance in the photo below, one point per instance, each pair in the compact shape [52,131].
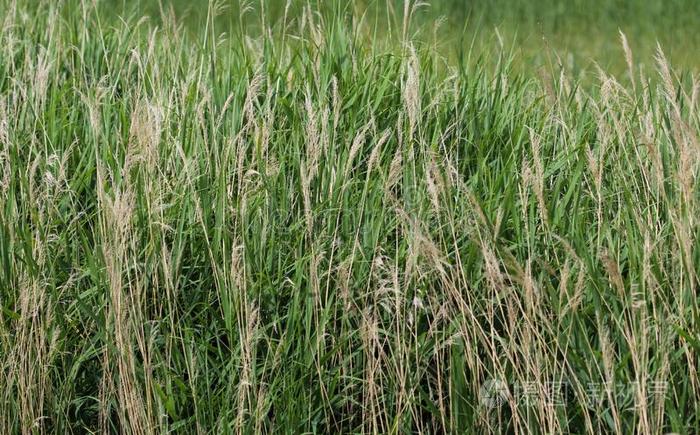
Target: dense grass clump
[300,230]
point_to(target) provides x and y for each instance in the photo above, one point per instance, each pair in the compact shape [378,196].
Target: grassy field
[581,32]
[335,219]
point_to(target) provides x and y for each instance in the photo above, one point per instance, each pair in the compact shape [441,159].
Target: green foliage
[301,230]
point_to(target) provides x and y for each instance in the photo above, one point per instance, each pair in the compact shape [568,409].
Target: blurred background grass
[578,32]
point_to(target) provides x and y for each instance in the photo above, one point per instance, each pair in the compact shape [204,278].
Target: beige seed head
[628,57]
[395,170]
[376,150]
[411,91]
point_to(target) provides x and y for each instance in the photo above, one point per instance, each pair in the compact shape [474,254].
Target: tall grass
[304,231]
[583,32]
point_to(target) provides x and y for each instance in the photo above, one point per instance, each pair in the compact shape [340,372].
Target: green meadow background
[580,32]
